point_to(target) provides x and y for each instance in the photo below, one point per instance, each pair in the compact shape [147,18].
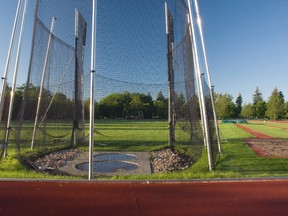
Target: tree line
[274,108]
[128,105]
[124,105]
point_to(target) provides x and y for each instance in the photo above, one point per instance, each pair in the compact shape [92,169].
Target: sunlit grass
[280,131]
[238,160]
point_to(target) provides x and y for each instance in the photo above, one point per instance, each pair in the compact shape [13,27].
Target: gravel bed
[56,159]
[168,160]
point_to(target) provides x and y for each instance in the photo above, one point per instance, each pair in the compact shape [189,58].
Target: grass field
[237,161]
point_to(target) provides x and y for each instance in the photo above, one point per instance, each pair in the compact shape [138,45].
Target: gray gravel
[56,159]
[168,160]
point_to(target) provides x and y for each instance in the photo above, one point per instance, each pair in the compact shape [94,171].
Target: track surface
[96,198]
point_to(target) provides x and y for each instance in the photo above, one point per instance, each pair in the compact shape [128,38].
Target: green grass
[236,161]
[275,132]
[130,135]
[239,158]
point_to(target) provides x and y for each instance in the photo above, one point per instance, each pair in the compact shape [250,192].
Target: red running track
[134,198]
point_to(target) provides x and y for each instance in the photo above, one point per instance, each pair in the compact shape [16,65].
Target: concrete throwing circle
[114,157]
[108,166]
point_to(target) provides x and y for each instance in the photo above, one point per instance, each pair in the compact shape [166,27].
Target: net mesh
[186,97]
[3,123]
[131,81]
[211,123]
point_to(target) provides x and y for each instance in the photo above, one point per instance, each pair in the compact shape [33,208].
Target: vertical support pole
[8,60]
[92,71]
[8,125]
[208,73]
[216,123]
[202,98]
[42,81]
[170,46]
[198,88]
[75,123]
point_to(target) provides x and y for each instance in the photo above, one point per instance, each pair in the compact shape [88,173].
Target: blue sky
[7,16]
[246,41]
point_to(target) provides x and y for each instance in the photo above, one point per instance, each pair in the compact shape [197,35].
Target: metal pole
[6,72]
[198,88]
[42,81]
[74,135]
[170,45]
[92,71]
[202,99]
[8,126]
[208,73]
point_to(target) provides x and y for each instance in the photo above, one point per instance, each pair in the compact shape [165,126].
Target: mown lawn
[273,129]
[237,159]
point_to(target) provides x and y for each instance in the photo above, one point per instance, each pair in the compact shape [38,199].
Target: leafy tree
[275,105]
[61,108]
[260,109]
[136,103]
[224,106]
[161,109]
[113,105]
[31,102]
[257,96]
[117,104]
[238,105]
[148,107]
[161,106]
[248,111]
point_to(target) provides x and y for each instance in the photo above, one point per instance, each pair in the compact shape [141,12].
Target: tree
[248,111]
[275,105]
[257,96]
[113,105]
[238,105]
[161,106]
[180,105]
[285,110]
[87,109]
[161,109]
[61,107]
[260,109]
[31,102]
[224,106]
[119,105]
[136,103]
[160,96]
[148,108]
[19,92]
[281,96]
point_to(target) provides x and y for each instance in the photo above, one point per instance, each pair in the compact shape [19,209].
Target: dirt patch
[266,146]
[274,148]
